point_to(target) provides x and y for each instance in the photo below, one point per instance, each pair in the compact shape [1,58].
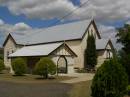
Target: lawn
[82,89]
[9,89]
[29,86]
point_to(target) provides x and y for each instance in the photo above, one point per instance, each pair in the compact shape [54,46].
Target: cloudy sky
[25,15]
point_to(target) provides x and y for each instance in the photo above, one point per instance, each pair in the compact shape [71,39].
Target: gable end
[9,36]
[66,47]
[95,27]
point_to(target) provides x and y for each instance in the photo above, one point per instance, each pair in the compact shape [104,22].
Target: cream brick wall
[76,47]
[10,47]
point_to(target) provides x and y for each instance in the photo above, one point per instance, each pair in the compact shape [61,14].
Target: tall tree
[90,55]
[124,38]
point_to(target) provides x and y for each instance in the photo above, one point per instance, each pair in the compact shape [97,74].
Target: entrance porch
[60,53]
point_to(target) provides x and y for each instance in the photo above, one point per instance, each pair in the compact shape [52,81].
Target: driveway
[9,89]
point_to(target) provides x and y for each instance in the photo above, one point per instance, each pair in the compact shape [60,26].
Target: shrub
[1,65]
[81,70]
[110,80]
[44,67]
[19,66]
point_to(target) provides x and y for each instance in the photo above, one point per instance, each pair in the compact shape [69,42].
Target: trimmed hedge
[45,67]
[2,66]
[19,66]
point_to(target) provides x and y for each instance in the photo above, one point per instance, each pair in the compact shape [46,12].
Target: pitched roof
[69,31]
[46,49]
[19,38]
[37,50]
[101,43]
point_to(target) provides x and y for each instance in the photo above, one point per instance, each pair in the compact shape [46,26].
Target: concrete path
[79,77]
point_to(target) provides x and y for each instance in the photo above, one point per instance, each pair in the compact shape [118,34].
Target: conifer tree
[123,37]
[110,80]
[90,55]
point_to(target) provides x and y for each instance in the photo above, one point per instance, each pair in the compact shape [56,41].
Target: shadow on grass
[19,75]
[1,73]
[43,78]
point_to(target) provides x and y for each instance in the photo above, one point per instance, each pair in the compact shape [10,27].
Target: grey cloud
[18,28]
[102,10]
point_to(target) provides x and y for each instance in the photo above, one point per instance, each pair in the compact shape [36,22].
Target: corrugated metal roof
[45,49]
[69,31]
[101,43]
[19,38]
[37,50]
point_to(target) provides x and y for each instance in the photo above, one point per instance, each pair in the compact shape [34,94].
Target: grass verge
[82,89]
[31,79]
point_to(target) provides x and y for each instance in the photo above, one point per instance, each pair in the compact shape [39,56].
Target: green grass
[82,89]
[31,79]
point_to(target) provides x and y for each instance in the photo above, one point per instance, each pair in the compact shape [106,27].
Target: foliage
[85,70]
[124,54]
[124,59]
[90,56]
[1,56]
[81,70]
[128,90]
[1,65]
[19,66]
[110,80]
[45,67]
[124,37]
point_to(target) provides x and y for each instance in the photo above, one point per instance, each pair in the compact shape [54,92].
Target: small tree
[44,67]
[90,55]
[19,66]
[1,65]
[110,80]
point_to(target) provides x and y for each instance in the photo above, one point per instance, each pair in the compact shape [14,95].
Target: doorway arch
[62,65]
